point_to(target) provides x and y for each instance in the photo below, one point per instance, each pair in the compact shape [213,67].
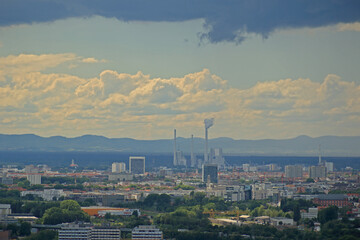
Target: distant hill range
[299,146]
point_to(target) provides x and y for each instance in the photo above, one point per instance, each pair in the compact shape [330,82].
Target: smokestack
[208,123]
[320,162]
[175,160]
[192,157]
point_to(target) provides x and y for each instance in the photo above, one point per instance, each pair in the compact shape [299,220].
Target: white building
[100,233]
[122,212]
[312,213]
[34,179]
[329,166]
[118,167]
[5,210]
[246,167]
[146,232]
[72,231]
[281,221]
[47,194]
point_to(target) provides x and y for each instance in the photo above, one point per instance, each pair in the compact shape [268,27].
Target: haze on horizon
[262,69]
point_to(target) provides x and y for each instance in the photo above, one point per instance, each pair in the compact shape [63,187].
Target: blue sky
[262,69]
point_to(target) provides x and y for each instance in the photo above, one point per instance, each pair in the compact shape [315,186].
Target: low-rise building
[85,231]
[121,177]
[146,232]
[120,212]
[103,233]
[310,214]
[46,194]
[281,221]
[75,231]
[326,200]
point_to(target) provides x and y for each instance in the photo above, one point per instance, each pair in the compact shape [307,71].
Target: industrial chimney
[208,123]
[175,159]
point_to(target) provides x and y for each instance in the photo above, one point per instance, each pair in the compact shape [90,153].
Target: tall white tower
[320,161]
[175,157]
[208,123]
[192,156]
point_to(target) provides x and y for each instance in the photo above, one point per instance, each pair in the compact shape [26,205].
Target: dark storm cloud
[225,20]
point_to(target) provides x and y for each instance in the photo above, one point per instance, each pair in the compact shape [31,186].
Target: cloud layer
[136,105]
[225,20]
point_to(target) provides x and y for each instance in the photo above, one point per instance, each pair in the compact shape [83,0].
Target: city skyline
[270,69]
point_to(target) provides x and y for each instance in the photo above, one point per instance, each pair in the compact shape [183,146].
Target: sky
[138,68]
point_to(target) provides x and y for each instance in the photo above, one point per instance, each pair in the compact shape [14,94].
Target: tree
[151,199]
[328,214]
[53,216]
[297,215]
[70,205]
[25,229]
[43,235]
[135,213]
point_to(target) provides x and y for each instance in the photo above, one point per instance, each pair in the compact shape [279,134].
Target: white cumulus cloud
[137,105]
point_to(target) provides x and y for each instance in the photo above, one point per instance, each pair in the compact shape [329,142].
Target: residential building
[7,180]
[146,232]
[121,177]
[85,231]
[293,171]
[310,214]
[31,169]
[317,171]
[103,233]
[238,193]
[246,167]
[329,166]
[75,231]
[34,179]
[46,194]
[137,165]
[118,167]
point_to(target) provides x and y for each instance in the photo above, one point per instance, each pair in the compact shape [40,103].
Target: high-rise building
[137,165]
[34,179]
[317,171]
[210,173]
[118,167]
[246,167]
[216,157]
[146,232]
[329,166]
[180,158]
[293,171]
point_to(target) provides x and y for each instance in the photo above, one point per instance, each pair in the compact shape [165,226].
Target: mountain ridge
[300,145]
